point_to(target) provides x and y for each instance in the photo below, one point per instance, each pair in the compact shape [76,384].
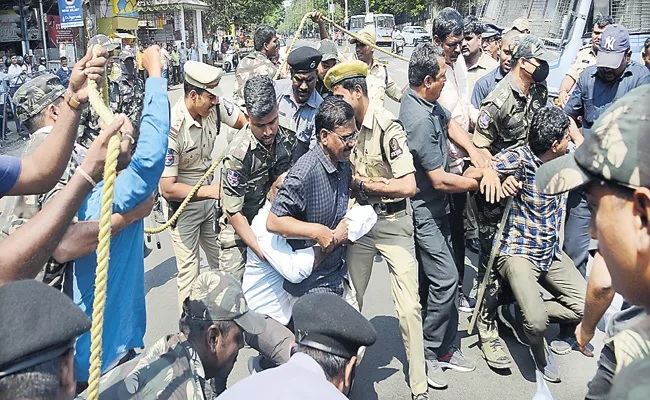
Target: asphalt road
[383,372]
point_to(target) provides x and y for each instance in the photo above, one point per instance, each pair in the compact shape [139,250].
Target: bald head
[504,53]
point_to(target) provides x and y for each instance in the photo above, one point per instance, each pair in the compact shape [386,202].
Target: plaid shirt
[535,220]
[315,191]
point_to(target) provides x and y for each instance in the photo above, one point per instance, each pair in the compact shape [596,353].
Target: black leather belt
[389,208]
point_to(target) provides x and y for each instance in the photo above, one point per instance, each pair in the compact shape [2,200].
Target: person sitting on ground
[38,330]
[533,219]
[212,326]
[329,335]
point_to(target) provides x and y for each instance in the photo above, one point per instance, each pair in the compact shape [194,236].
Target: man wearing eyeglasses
[384,178]
[311,204]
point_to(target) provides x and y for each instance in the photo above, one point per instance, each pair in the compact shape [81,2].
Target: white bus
[383,24]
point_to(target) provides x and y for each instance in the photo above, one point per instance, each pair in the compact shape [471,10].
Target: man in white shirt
[262,285]
[14,68]
[455,97]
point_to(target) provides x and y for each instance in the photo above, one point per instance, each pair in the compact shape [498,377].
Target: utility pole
[42,23]
[367,6]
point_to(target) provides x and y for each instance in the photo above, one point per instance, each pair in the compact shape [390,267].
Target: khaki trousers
[194,228]
[392,237]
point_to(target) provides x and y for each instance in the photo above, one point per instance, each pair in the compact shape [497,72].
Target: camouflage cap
[329,50]
[126,53]
[366,36]
[32,97]
[616,150]
[216,296]
[530,46]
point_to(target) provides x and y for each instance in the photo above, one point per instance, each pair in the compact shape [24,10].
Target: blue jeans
[576,230]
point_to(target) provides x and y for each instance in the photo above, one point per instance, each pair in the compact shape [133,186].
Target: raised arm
[42,169]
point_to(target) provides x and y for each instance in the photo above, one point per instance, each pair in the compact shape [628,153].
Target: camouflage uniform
[129,100]
[503,123]
[30,100]
[172,368]
[254,64]
[249,169]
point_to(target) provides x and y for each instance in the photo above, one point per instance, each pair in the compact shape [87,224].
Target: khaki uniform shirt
[505,115]
[586,58]
[249,170]
[381,150]
[170,369]
[189,153]
[380,84]
[484,65]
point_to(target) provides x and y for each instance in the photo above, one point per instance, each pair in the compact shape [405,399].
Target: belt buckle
[381,209]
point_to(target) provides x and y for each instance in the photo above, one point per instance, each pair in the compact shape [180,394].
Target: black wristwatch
[362,191]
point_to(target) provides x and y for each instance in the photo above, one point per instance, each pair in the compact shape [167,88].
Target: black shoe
[473,245]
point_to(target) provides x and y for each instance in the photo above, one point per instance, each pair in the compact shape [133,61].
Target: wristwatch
[73,102]
[362,191]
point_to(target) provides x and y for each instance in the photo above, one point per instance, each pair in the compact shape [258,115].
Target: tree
[242,13]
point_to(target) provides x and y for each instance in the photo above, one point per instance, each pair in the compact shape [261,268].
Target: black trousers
[438,283]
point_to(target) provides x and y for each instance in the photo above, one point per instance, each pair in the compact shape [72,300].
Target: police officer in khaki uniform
[384,178]
[586,58]
[257,155]
[379,82]
[195,123]
[502,124]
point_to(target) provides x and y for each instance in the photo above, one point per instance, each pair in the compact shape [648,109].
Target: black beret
[38,324]
[304,59]
[326,322]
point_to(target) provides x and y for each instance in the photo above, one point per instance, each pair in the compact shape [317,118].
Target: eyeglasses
[347,139]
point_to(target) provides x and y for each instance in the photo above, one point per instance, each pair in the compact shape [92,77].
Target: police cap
[343,71]
[326,322]
[491,30]
[304,59]
[39,323]
[203,76]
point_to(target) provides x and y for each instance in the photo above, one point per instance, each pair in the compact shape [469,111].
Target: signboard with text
[8,28]
[70,13]
[56,33]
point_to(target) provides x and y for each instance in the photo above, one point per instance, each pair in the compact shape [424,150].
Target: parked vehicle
[415,34]
[383,24]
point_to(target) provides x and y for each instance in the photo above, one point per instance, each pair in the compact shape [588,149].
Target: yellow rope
[103,249]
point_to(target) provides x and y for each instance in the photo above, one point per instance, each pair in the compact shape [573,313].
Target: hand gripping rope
[98,104]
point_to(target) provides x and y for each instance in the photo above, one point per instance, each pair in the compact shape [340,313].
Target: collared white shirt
[263,280]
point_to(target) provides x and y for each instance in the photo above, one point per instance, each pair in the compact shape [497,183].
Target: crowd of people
[317,179]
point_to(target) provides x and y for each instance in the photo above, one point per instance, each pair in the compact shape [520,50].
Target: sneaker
[421,396]
[254,365]
[542,355]
[562,345]
[508,316]
[435,375]
[494,354]
[456,360]
[466,304]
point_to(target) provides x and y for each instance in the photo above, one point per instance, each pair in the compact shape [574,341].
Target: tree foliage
[243,13]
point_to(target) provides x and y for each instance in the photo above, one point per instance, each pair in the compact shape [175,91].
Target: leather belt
[389,208]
